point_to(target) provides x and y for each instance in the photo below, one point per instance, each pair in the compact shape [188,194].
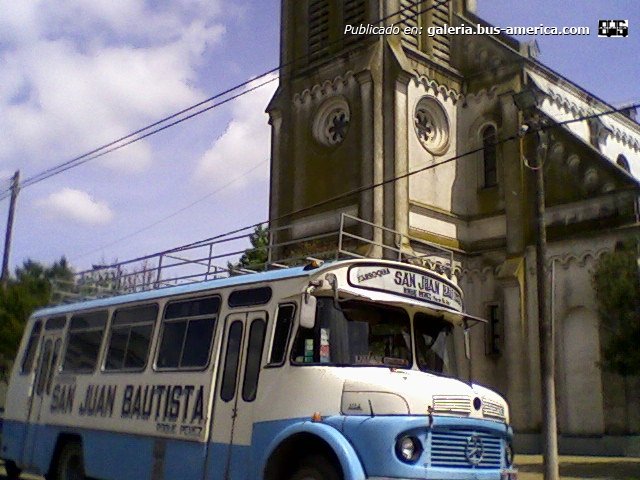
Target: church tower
[425,112]
[342,115]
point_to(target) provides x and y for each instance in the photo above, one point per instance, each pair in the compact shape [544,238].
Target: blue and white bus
[334,371]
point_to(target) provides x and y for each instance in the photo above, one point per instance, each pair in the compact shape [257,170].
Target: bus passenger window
[187,333]
[54,361]
[43,369]
[231,359]
[131,331]
[83,343]
[55,323]
[254,358]
[250,297]
[281,334]
[30,352]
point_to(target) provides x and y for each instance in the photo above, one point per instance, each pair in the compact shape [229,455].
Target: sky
[77,74]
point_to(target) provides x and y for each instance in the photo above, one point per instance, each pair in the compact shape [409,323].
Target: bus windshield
[355,334]
[432,340]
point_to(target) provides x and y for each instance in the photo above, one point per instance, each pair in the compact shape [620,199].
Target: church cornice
[564,103]
[477,97]
[581,259]
[437,89]
[613,131]
[483,274]
[323,89]
[624,138]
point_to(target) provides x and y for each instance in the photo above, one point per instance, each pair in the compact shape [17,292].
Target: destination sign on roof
[420,285]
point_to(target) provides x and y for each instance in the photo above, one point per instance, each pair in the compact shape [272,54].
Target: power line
[223,236]
[116,144]
[173,214]
[30,182]
[408,174]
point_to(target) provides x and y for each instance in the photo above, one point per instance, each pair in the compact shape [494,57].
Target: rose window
[431,125]
[331,122]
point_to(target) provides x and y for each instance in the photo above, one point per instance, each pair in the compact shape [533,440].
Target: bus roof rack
[294,244]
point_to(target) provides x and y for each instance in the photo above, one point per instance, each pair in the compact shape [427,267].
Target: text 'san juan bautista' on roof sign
[418,284]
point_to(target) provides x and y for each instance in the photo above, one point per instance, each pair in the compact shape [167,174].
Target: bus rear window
[32,344]
[131,331]
[83,342]
[187,332]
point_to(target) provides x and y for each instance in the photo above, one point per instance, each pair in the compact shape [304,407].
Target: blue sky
[75,74]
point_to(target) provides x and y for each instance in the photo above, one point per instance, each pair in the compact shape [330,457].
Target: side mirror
[308,311]
[467,344]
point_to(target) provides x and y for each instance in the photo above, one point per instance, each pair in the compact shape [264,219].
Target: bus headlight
[508,454]
[408,449]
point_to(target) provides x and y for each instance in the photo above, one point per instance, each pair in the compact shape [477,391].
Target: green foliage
[257,256]
[617,284]
[30,289]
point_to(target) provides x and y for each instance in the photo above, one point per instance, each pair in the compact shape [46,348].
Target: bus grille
[451,404]
[452,448]
[492,409]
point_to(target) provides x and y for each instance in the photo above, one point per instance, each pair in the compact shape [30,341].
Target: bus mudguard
[344,451]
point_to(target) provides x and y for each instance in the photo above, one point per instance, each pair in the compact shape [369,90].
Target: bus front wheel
[316,468]
[70,465]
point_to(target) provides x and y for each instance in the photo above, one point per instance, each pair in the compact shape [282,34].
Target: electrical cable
[115,145]
[222,237]
[173,214]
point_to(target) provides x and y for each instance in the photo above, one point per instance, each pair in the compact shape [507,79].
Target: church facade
[430,119]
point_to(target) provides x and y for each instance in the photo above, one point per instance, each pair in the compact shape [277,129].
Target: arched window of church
[318,38]
[623,163]
[489,155]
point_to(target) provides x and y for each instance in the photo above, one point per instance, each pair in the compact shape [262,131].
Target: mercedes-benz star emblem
[474,450]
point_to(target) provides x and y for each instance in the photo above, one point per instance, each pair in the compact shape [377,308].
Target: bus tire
[69,464]
[13,472]
[316,467]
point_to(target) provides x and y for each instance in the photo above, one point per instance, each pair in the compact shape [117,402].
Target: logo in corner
[613,28]
[474,450]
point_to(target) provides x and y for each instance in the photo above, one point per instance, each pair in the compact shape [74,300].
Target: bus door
[240,359]
[46,367]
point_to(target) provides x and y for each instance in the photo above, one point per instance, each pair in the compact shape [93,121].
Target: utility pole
[545,327]
[527,103]
[15,188]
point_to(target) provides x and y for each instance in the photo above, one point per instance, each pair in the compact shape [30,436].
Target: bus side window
[54,361]
[254,358]
[131,332]
[30,351]
[83,341]
[281,334]
[250,297]
[187,333]
[231,361]
[43,369]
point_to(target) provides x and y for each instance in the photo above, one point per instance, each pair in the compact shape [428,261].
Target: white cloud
[245,143]
[76,205]
[75,74]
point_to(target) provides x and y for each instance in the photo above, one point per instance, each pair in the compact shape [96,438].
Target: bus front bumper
[510,474]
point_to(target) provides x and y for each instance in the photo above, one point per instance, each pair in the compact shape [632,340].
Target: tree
[616,282]
[31,288]
[256,256]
